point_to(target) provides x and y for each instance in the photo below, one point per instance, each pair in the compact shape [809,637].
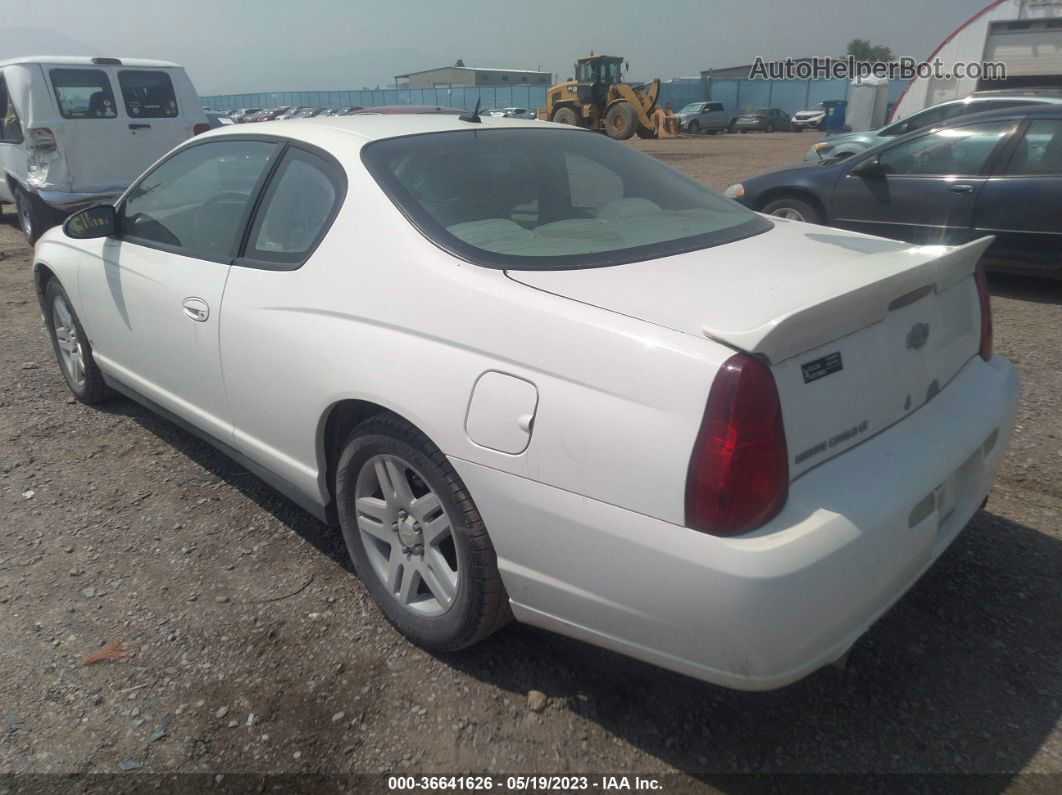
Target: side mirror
[98,221]
[869,168]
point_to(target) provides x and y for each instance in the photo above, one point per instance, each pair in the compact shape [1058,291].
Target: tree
[863,50]
[460,62]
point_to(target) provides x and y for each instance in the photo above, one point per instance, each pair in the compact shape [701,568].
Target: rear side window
[299,204]
[83,94]
[147,95]
[714,106]
[10,127]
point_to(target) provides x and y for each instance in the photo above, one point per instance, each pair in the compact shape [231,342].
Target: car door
[922,190]
[713,116]
[1021,204]
[150,297]
[271,310]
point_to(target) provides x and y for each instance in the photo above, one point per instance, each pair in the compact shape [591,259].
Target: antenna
[473,116]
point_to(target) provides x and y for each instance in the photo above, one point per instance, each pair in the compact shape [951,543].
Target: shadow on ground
[963,675]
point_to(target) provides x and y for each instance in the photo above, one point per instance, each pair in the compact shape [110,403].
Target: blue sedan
[997,173]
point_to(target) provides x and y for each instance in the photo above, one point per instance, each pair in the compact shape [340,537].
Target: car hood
[779,293]
[867,138]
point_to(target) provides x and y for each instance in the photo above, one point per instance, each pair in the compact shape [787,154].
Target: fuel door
[501,412]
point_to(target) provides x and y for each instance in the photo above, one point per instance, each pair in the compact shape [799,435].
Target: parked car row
[995,173]
[713,117]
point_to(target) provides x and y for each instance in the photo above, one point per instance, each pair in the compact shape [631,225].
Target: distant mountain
[19,41]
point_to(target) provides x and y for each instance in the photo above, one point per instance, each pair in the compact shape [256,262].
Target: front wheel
[72,348]
[793,209]
[693,127]
[567,115]
[416,538]
[621,121]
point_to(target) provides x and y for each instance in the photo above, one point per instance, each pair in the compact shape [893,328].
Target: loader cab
[596,74]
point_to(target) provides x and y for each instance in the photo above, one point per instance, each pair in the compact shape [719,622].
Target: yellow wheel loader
[599,99]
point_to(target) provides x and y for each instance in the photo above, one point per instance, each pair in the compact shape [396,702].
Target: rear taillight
[202,127]
[986,313]
[739,472]
[41,139]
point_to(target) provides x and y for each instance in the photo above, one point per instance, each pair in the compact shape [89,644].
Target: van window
[83,94]
[147,95]
[714,106]
[10,128]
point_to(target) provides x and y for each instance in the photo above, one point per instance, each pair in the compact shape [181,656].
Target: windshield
[762,111]
[693,107]
[550,199]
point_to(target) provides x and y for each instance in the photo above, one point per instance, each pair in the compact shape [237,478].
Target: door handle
[196,309]
[964,189]
[139,126]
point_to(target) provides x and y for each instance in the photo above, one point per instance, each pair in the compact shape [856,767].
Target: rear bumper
[763,610]
[71,202]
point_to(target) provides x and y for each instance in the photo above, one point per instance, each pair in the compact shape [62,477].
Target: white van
[75,131]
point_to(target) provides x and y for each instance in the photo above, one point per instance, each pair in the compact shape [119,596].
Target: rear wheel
[621,121]
[693,127]
[416,538]
[732,127]
[567,115]
[34,216]
[794,209]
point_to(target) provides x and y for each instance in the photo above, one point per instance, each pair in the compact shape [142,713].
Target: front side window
[301,201]
[83,94]
[147,94]
[197,200]
[1039,151]
[537,199]
[10,127]
[958,151]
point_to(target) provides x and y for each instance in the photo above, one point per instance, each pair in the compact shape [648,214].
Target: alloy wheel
[71,354]
[407,535]
[788,212]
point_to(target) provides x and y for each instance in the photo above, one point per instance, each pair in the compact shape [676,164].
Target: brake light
[986,313]
[41,139]
[738,478]
[202,127]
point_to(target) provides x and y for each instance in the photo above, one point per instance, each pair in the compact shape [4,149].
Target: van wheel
[34,216]
[416,538]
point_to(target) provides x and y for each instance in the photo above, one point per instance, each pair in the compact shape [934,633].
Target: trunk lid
[859,331]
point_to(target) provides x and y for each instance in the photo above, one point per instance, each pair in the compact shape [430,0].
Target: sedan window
[538,199]
[1039,152]
[197,200]
[301,201]
[959,151]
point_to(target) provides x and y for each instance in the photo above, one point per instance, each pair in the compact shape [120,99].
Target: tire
[732,127]
[34,216]
[793,209]
[645,132]
[693,128]
[73,352]
[621,121]
[567,115]
[393,550]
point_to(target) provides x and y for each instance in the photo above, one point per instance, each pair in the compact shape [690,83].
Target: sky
[236,46]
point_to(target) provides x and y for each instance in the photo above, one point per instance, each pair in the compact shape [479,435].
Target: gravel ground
[253,648]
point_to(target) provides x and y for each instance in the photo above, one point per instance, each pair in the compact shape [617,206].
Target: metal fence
[735,94]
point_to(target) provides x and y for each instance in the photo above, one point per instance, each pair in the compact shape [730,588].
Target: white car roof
[332,130]
[85,60]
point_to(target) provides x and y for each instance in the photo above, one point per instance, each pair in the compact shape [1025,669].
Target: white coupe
[532,373]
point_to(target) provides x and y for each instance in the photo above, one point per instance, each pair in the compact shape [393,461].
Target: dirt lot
[254,648]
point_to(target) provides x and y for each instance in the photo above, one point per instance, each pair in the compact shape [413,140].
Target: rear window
[550,199]
[147,94]
[83,94]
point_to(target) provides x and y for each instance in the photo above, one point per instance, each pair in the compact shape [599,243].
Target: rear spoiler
[903,273]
